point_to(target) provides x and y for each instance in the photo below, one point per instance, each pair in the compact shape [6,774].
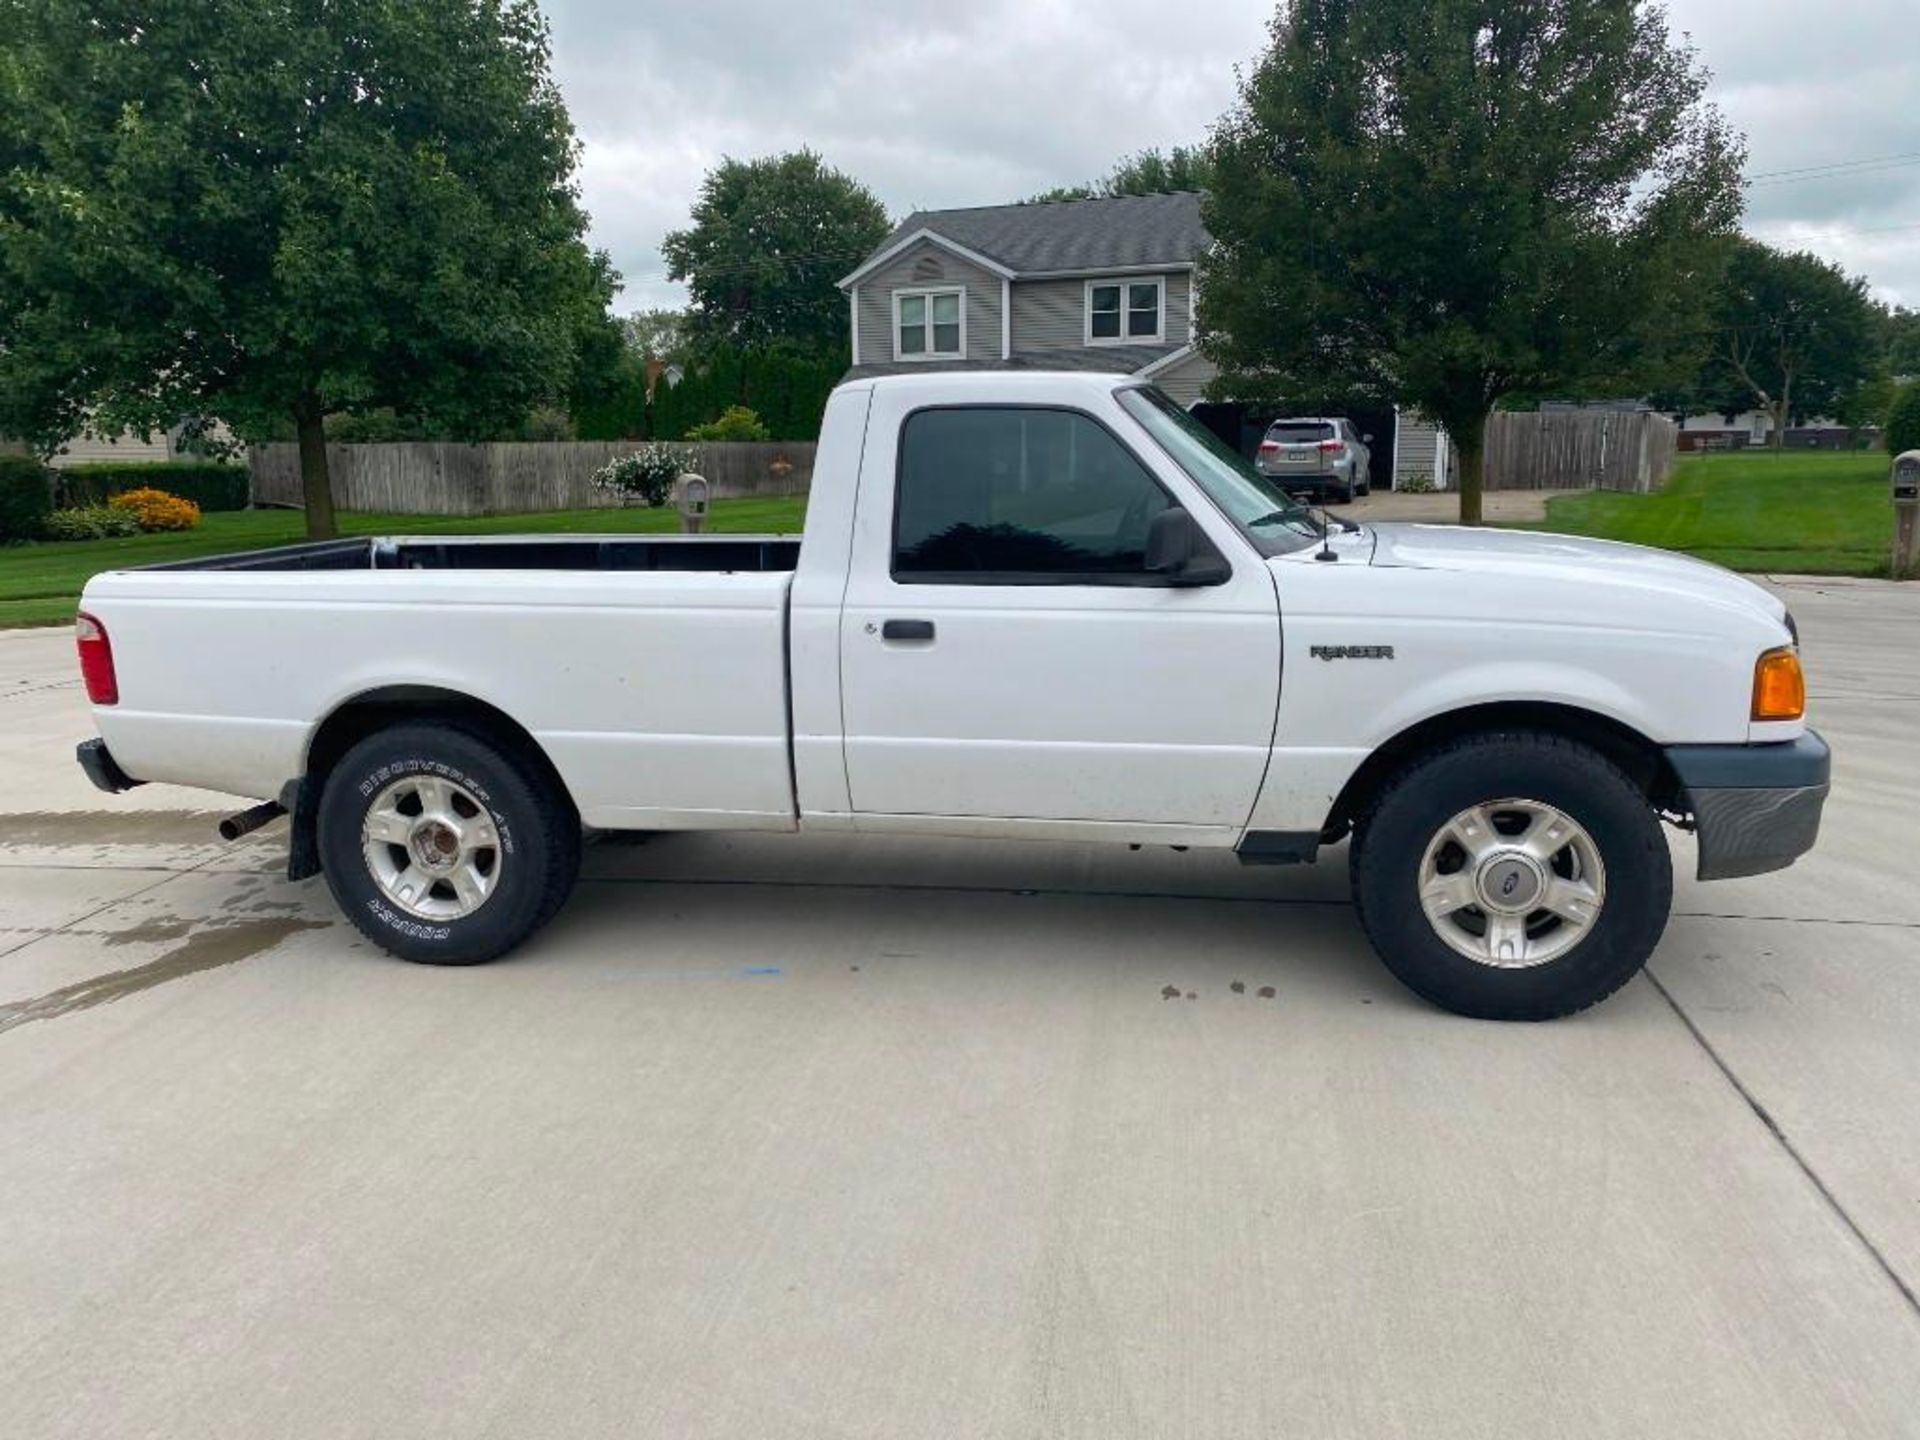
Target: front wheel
[445,846]
[1512,876]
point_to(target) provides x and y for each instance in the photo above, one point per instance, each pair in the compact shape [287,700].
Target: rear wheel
[1512,876]
[444,845]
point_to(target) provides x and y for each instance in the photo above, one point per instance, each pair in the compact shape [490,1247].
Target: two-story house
[1078,284]
[1072,285]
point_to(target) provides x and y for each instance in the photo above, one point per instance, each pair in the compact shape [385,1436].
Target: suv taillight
[1333,446]
[96,661]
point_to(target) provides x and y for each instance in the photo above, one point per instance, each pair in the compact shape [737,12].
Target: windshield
[1271,519]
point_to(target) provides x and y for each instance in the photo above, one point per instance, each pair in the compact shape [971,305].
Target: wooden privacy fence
[425,478]
[1578,449]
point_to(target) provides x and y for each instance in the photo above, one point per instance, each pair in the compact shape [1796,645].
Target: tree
[1901,336]
[1795,334]
[1903,419]
[768,241]
[1147,172]
[656,334]
[1448,204]
[291,208]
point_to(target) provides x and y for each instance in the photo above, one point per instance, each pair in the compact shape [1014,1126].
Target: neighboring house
[1753,429]
[1076,285]
[1066,285]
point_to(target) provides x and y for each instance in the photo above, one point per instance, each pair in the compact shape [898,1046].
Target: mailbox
[1906,478]
[690,497]
[1906,515]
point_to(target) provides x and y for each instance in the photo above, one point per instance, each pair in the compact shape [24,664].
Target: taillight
[1779,687]
[96,661]
[1269,447]
[1331,446]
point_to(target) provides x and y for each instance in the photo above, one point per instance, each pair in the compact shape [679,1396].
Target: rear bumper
[1756,808]
[102,769]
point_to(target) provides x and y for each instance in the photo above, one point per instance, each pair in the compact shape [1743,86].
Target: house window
[1126,312]
[929,324]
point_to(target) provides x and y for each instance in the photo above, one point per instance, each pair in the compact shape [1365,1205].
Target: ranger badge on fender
[1352,652]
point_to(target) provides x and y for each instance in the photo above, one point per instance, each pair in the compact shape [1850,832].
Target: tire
[526,873]
[1552,966]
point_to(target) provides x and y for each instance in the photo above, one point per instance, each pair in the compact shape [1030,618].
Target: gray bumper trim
[1756,807]
[102,769]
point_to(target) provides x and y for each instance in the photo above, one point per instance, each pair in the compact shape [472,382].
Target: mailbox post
[1906,515]
[690,498]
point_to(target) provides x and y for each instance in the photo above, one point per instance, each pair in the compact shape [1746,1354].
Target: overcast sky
[937,104]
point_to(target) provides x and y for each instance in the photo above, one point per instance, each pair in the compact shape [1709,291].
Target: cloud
[933,104]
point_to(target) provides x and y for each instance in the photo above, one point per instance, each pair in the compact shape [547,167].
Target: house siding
[1185,382]
[1052,314]
[1420,452]
[121,449]
[917,268]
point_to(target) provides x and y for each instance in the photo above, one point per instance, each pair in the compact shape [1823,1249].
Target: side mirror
[1366,439]
[1179,551]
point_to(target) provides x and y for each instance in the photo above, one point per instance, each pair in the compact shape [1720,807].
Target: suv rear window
[1295,432]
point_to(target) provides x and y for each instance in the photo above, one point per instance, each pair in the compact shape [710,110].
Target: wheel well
[1644,762]
[376,710]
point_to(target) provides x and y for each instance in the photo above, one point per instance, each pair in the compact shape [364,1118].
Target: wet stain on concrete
[1169,992]
[150,932]
[110,827]
[1239,987]
[210,949]
[1265,992]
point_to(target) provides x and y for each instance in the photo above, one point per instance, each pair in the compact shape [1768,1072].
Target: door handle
[906,630]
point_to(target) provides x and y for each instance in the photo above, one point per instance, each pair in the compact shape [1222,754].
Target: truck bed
[724,554]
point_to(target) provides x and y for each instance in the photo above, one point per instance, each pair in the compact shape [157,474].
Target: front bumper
[1756,808]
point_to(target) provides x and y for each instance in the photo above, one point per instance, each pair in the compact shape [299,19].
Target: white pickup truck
[1026,606]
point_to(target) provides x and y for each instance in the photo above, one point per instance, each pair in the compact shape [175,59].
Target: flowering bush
[89,522]
[647,474]
[157,510]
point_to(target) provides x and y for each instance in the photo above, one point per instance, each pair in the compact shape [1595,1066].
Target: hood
[1525,555]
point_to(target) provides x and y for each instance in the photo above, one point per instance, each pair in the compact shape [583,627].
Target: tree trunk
[316,485]
[1780,410]
[1469,440]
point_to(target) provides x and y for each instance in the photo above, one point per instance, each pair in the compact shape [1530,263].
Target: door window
[1020,496]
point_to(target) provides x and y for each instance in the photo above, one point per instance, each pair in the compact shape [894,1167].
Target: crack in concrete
[1786,1144]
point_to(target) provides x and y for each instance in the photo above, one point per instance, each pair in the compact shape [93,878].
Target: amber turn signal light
[1779,689]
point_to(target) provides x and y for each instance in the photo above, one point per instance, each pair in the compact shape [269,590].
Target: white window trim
[929,291]
[1159,282]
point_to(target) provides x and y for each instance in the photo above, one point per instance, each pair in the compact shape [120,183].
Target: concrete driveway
[775,1138]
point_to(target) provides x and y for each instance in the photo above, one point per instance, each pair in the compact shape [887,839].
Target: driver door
[1005,653]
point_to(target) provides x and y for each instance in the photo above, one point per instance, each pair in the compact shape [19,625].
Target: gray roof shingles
[1072,234]
[1114,359]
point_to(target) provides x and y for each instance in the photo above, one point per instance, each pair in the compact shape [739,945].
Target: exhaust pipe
[248,821]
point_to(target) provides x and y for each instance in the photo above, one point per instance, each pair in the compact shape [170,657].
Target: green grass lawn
[40,583]
[1806,512]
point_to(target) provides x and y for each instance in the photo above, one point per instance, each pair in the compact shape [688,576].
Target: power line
[1836,173]
[1906,156]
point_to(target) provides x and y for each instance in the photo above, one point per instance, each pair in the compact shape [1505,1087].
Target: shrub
[1903,419]
[210,484]
[90,522]
[736,422]
[157,510]
[25,497]
[1415,485]
[647,474]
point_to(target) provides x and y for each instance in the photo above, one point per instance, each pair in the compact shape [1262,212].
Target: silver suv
[1320,456]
